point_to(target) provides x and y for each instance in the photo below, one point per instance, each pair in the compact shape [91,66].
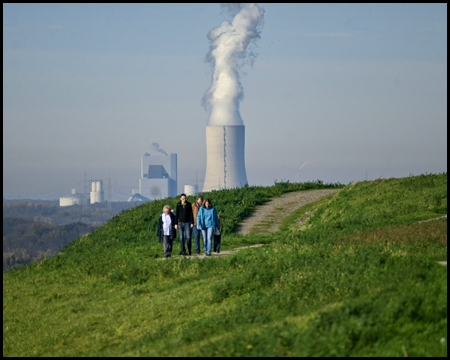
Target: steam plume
[155,147]
[228,52]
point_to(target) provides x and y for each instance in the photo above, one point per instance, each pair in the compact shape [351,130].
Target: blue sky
[355,89]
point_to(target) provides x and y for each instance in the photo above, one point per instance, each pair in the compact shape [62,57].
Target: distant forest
[33,230]
[52,213]
[25,240]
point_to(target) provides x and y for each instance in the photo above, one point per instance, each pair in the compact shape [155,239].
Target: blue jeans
[168,242]
[207,239]
[184,228]
[197,233]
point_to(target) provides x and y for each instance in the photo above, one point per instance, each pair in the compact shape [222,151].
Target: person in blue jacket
[207,222]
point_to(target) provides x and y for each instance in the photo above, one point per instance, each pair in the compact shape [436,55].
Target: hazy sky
[358,90]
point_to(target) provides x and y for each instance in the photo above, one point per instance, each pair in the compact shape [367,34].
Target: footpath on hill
[267,217]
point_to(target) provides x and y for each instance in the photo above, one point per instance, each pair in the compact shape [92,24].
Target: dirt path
[267,217]
[437,218]
[213,254]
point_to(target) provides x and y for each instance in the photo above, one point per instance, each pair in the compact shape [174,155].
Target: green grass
[367,289]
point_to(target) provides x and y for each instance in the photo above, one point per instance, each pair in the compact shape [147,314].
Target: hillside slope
[370,289]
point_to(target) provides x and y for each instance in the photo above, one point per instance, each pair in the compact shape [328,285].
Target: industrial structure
[97,194]
[72,199]
[158,176]
[225,157]
[136,197]
[190,189]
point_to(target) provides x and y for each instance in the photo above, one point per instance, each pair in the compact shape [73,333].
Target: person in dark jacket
[184,223]
[218,236]
[166,231]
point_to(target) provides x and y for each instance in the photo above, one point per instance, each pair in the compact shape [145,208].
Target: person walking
[184,223]
[195,209]
[218,236]
[166,231]
[207,222]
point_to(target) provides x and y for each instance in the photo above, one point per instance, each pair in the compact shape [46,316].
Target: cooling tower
[225,157]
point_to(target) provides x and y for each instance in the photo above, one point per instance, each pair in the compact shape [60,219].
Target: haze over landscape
[359,90]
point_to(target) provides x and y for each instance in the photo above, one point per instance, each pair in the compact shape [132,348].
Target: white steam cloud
[228,52]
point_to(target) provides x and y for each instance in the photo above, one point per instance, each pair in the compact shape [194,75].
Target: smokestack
[225,133]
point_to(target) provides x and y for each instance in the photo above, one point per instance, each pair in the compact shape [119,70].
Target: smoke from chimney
[228,52]
[155,147]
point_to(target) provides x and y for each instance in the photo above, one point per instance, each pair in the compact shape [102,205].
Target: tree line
[25,240]
[53,214]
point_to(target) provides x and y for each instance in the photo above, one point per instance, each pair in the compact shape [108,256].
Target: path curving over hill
[267,217]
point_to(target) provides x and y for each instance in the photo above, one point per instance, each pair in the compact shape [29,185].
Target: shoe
[198,252]
[180,253]
[190,253]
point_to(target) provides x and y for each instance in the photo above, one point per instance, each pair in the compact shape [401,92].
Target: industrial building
[73,199]
[225,157]
[158,176]
[97,194]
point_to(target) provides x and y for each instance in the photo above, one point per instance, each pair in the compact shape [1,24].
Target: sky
[358,91]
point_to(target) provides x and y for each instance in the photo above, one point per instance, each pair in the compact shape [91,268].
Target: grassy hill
[351,275]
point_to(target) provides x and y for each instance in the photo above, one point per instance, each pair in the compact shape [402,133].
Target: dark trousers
[184,228]
[217,239]
[197,234]
[168,244]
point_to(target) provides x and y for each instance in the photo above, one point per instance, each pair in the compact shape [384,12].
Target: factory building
[73,199]
[158,176]
[97,194]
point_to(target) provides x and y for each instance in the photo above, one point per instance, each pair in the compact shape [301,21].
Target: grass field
[357,276]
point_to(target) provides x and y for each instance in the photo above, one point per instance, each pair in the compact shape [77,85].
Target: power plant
[225,130]
[225,157]
[158,181]
[158,176]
